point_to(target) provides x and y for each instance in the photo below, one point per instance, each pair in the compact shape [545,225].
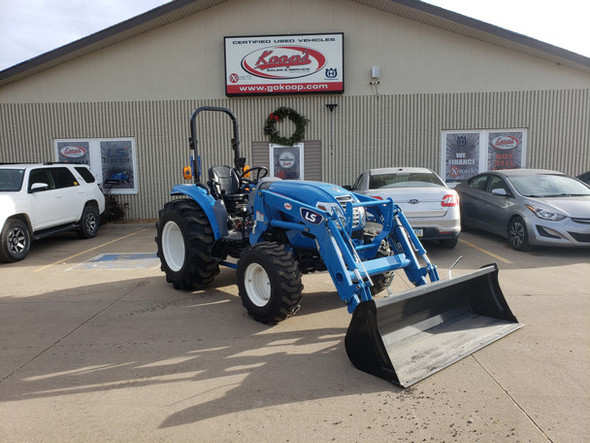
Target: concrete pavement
[116,354]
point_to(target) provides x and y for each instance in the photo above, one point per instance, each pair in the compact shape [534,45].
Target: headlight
[544,214]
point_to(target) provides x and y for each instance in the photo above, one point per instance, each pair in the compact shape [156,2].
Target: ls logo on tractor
[311,216]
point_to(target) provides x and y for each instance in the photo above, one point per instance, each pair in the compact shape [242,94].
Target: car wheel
[518,235]
[16,241]
[89,222]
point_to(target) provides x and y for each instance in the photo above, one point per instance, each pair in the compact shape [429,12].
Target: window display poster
[505,150]
[117,164]
[286,161]
[462,155]
[73,152]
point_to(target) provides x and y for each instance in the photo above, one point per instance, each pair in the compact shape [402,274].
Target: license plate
[419,232]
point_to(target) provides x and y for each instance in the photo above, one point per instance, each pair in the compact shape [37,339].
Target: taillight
[449,200]
[377,197]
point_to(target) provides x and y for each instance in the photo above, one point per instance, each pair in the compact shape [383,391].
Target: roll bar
[239,161]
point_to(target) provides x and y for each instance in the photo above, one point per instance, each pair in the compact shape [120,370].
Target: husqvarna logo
[311,216]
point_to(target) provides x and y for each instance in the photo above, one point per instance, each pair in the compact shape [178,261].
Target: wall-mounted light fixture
[375,76]
[375,72]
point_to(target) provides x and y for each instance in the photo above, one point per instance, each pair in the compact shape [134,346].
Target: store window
[111,160]
[466,153]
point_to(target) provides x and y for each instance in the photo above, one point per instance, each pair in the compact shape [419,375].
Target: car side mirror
[500,192]
[36,187]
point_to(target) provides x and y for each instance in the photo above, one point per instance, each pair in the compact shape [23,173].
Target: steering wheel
[261,172]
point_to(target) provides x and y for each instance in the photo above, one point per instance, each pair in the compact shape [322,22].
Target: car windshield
[549,185]
[404,180]
[11,179]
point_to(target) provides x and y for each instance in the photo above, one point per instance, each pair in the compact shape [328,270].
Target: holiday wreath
[270,126]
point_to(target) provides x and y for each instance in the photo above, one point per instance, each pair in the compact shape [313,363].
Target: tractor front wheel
[269,282]
[184,238]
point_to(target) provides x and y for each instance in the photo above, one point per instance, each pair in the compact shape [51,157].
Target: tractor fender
[202,197]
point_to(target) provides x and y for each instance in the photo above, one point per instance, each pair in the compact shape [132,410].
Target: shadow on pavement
[141,333]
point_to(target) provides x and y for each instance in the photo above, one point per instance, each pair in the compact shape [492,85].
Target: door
[47,203]
[472,200]
[72,194]
[495,212]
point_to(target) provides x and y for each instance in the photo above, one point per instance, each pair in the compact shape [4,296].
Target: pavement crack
[531,419]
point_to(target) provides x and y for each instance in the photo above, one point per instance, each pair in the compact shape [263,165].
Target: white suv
[39,200]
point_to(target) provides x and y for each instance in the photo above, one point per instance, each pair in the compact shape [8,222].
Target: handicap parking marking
[86,251]
[118,261]
[485,251]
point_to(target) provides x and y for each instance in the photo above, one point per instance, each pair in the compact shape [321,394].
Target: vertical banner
[286,162]
[505,150]
[461,155]
[117,164]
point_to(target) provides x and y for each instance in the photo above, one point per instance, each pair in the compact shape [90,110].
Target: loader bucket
[410,336]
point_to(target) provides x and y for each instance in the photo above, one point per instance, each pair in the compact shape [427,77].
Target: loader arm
[349,263]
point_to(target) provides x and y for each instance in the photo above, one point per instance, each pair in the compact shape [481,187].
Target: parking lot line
[42,268]
[491,254]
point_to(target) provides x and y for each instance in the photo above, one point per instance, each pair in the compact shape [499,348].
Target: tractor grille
[356,213]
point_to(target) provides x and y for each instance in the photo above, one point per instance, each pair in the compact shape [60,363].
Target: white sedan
[431,207]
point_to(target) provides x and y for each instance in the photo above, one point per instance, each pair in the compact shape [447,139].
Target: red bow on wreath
[274,117]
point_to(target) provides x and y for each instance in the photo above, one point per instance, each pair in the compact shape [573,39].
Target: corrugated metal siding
[312,160]
[362,132]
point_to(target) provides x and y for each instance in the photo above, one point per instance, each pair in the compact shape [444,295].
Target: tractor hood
[310,192]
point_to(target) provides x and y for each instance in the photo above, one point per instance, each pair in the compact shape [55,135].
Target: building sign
[284,64]
[112,161]
[464,153]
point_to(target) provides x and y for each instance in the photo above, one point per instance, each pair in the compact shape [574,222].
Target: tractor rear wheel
[269,282]
[184,238]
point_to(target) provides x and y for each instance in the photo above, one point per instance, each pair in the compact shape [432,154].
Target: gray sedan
[528,206]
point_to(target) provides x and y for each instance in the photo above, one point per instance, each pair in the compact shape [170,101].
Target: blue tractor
[271,231]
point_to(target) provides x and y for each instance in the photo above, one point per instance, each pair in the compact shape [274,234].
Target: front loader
[271,231]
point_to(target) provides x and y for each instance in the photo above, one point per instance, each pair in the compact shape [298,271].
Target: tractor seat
[223,180]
